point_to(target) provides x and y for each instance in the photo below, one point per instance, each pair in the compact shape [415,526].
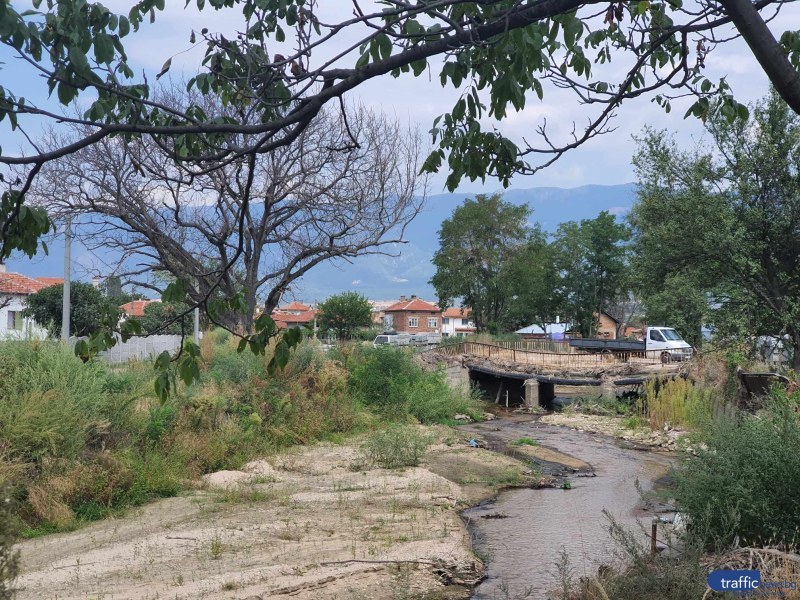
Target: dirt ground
[643,437]
[307,524]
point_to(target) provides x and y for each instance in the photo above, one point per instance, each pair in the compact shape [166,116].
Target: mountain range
[407,268]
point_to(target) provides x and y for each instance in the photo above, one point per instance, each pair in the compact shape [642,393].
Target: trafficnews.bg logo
[745,581]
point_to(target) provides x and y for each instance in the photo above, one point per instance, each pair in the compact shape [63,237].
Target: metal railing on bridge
[567,358]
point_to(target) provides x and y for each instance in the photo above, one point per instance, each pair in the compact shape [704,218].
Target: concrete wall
[141,348]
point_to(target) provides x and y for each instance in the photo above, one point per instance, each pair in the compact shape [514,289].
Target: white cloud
[399,279]
[355,282]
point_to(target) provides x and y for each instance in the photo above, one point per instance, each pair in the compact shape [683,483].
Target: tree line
[713,240]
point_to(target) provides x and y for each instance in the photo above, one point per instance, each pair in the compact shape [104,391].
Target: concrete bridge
[527,372]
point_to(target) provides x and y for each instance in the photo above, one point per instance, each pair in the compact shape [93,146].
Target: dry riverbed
[309,523]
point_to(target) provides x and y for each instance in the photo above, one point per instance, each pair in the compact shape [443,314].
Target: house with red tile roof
[294,315]
[135,308]
[413,315]
[457,322]
[14,288]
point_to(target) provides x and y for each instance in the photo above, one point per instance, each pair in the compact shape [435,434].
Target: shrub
[395,447]
[9,557]
[677,402]
[50,403]
[745,482]
[390,380]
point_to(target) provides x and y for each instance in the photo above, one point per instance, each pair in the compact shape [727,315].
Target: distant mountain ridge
[409,269]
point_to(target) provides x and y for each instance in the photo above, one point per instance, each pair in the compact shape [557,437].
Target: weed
[9,557]
[745,478]
[215,547]
[677,402]
[396,446]
[524,441]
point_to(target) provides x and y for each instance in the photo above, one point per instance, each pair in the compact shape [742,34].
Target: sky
[417,101]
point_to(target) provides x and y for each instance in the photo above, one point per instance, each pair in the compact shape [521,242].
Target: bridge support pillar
[539,393]
[531,393]
[608,388]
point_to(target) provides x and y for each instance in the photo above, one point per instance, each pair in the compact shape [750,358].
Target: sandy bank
[303,524]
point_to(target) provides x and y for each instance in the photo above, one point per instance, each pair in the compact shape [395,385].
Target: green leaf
[79,60]
[384,45]
[175,292]
[163,361]
[103,48]
[161,386]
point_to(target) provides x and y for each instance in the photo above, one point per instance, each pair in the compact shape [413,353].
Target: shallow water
[522,549]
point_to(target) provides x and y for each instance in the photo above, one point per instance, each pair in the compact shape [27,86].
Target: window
[413,322]
[15,320]
[465,322]
[388,321]
[433,322]
[671,335]
[445,320]
[656,336]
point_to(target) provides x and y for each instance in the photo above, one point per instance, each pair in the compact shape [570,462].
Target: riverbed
[522,532]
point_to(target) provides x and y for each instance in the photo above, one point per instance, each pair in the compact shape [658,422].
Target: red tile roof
[293,306]
[50,281]
[135,308]
[304,317]
[415,304]
[457,313]
[16,283]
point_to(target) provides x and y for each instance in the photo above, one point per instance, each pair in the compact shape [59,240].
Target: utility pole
[197,325]
[65,307]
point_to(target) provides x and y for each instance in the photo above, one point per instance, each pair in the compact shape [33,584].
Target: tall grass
[80,441]
[677,403]
[745,478]
[389,380]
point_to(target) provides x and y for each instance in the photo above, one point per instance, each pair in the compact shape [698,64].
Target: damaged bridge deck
[516,373]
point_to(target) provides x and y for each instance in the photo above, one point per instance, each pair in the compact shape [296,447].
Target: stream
[526,529]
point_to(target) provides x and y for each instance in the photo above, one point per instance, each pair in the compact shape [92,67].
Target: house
[457,322]
[294,316]
[135,308]
[14,289]
[413,315]
[606,326]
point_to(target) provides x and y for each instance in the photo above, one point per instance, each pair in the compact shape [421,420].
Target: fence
[563,360]
[140,348]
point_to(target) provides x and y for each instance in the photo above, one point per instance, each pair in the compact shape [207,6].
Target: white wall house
[14,288]
[457,322]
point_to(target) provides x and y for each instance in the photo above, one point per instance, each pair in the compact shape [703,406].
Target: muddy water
[522,549]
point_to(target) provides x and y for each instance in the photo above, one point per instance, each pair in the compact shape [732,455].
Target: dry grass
[677,403]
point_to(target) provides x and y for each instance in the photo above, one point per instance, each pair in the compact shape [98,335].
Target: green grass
[524,441]
[81,441]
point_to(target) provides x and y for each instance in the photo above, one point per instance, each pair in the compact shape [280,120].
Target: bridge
[527,371]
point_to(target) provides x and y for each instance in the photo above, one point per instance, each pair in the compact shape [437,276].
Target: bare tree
[624,308]
[347,186]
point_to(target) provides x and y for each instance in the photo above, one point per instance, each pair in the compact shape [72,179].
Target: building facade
[412,316]
[14,289]
[457,322]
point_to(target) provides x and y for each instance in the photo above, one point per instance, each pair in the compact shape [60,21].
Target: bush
[50,403]
[677,402]
[390,380]
[395,447]
[745,482]
[9,557]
